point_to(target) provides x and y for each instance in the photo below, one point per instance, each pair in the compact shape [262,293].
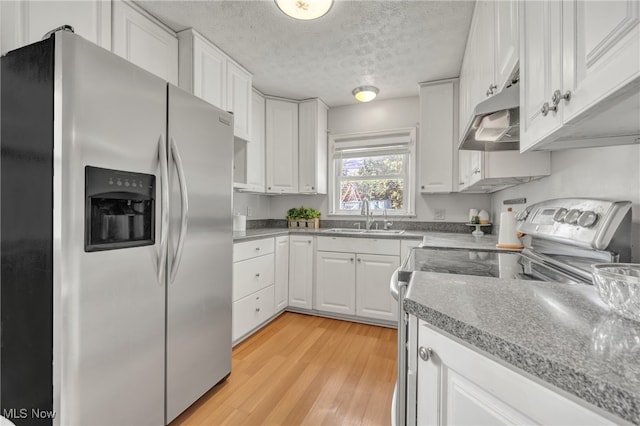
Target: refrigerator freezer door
[109,327]
[199,291]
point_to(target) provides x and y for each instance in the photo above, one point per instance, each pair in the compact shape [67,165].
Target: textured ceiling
[389,44]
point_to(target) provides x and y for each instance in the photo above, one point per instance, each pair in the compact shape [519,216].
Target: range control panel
[579,221]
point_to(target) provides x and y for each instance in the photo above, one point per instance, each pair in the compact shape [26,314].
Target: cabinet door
[255,145]
[482,77]
[143,40]
[335,282]
[25,22]
[208,68]
[437,109]
[251,311]
[458,385]
[301,271]
[540,69]
[506,40]
[312,153]
[476,166]
[373,296]
[239,99]
[282,273]
[602,51]
[282,146]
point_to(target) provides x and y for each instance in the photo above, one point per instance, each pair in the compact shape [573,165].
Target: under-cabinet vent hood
[495,125]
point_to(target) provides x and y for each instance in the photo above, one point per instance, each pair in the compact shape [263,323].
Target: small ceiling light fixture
[304,9]
[365,93]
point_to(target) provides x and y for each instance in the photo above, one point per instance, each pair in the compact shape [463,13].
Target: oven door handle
[401,396]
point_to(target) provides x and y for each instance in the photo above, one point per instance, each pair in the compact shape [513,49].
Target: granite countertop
[254,234]
[562,334]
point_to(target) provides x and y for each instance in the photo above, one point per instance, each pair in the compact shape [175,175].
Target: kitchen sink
[364,231]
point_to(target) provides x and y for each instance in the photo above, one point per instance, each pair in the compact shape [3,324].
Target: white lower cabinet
[253,285]
[301,271]
[352,280]
[335,282]
[457,385]
[281,273]
[251,311]
[373,297]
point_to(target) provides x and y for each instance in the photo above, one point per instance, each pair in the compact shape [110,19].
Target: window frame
[372,142]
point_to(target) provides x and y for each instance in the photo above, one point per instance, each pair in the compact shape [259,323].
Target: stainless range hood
[495,125]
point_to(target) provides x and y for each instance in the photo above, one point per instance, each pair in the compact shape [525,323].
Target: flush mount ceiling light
[365,93]
[304,9]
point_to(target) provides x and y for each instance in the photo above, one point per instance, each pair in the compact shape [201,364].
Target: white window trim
[368,139]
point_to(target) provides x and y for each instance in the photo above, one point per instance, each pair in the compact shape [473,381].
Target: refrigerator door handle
[184,198]
[164,209]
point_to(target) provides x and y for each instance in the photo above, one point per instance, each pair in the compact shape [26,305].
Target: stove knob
[560,214]
[588,219]
[522,215]
[572,217]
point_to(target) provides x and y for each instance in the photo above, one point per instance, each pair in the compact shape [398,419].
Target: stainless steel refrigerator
[116,239]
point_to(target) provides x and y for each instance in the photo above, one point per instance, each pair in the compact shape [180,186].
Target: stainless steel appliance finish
[495,125]
[200,242]
[564,237]
[139,333]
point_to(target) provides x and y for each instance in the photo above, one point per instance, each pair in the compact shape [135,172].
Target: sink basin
[384,231]
[364,231]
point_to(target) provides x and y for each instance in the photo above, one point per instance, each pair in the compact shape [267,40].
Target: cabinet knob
[351,259]
[425,353]
[309,242]
[422,187]
[313,187]
[257,248]
[257,274]
[492,87]
[359,260]
[257,309]
[269,188]
[546,108]
[558,96]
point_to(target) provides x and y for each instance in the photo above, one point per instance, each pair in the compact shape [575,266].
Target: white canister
[508,235]
[484,217]
[239,222]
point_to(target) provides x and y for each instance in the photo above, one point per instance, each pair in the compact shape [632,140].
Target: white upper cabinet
[491,55]
[312,147]
[210,74]
[282,146]
[24,22]
[438,150]
[255,147]
[239,99]
[145,41]
[203,68]
[492,171]
[580,73]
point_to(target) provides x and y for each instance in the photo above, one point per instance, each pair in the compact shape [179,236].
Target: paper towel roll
[508,236]
[239,222]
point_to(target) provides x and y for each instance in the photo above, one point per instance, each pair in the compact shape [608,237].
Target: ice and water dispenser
[119,209]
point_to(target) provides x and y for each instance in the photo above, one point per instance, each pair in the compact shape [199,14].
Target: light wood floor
[305,370]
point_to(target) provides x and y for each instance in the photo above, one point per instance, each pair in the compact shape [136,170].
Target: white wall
[253,205]
[608,173]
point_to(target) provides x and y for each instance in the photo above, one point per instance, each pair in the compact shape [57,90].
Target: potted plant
[303,217]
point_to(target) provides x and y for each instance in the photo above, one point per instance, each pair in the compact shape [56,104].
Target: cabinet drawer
[252,275]
[359,245]
[249,249]
[251,311]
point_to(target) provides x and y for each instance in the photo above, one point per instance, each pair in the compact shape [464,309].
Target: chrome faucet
[365,211]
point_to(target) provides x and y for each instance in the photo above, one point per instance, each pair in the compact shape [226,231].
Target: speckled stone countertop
[254,234]
[562,334]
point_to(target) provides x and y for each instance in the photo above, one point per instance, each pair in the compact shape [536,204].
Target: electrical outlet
[439,214]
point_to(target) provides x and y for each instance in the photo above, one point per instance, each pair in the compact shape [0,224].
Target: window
[377,167]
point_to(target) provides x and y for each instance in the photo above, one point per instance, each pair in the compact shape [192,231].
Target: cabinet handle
[546,108]
[558,96]
[492,87]
[257,248]
[257,274]
[257,309]
[425,353]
